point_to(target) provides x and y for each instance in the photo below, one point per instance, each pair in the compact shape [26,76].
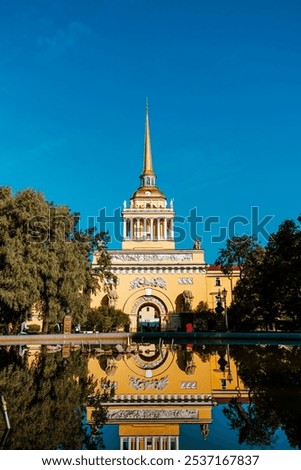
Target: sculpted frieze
[153,384]
[151,257]
[152,414]
[144,282]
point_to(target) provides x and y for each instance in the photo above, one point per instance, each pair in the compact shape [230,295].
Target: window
[223,383]
[173,443]
[125,444]
[218,282]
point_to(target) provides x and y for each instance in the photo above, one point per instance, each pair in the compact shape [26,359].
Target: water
[151,396]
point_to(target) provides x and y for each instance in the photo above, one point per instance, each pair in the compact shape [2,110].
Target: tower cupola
[148,222]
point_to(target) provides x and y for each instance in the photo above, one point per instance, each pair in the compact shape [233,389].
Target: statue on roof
[197,244]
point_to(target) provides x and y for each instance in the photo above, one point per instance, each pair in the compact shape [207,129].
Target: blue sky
[223,83]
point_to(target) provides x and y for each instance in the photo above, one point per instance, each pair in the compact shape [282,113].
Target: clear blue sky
[223,82]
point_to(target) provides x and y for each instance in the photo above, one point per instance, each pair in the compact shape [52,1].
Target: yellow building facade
[156,282]
[159,387]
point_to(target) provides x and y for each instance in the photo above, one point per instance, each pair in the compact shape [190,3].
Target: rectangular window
[223,383]
[124,443]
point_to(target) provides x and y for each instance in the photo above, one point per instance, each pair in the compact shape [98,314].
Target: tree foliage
[106,319]
[271,373]
[269,289]
[45,260]
[235,253]
[46,400]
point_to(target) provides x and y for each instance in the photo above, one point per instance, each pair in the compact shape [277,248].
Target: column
[131,229]
[171,228]
[124,228]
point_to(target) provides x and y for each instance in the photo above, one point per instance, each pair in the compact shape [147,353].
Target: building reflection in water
[157,387]
[155,394]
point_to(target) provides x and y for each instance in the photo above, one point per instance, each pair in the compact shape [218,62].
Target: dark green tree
[271,373]
[282,272]
[235,253]
[247,310]
[204,317]
[270,290]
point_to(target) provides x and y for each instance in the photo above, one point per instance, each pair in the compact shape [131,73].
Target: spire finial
[147,161]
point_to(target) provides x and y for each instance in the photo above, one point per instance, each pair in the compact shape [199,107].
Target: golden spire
[147,161]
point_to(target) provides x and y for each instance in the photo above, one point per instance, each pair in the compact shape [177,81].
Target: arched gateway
[150,313]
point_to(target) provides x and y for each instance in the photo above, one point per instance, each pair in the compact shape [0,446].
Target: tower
[148,221]
[158,285]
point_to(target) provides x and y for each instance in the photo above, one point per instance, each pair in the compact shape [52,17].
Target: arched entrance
[150,312]
[148,318]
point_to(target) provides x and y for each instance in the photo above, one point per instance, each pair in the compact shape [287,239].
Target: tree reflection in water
[273,376]
[47,394]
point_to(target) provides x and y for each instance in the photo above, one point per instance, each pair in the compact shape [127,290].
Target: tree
[204,317]
[271,373]
[106,319]
[46,400]
[247,308]
[282,273]
[270,289]
[253,428]
[45,259]
[235,254]
[18,258]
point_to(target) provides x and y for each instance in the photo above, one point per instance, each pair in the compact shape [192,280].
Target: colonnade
[152,228]
[149,443]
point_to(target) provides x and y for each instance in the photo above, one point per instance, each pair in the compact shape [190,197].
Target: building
[156,282]
[159,387]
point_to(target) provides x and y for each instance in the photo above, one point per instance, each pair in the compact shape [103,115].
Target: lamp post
[229,375]
[224,297]
[7,422]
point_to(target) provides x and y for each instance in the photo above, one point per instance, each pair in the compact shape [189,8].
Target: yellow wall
[160,278]
[166,383]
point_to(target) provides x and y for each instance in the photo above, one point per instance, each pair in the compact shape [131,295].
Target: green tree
[45,259]
[247,309]
[271,373]
[204,317]
[270,289]
[282,272]
[46,401]
[235,253]
[106,319]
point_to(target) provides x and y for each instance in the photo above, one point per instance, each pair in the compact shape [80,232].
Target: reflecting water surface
[150,396]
